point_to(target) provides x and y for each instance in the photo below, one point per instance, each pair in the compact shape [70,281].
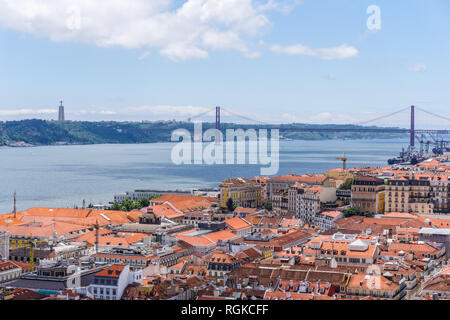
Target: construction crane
[344,161]
[31,243]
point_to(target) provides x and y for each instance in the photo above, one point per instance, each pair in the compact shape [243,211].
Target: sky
[310,61]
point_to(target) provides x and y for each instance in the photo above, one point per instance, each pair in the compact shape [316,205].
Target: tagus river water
[62,176]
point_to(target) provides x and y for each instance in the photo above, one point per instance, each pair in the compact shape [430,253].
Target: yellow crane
[31,243]
[344,161]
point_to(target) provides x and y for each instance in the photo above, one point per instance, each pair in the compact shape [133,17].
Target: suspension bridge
[425,137]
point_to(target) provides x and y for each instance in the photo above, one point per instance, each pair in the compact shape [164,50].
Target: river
[62,176]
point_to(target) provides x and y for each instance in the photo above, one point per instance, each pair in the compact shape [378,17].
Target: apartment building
[244,193]
[409,195]
[440,194]
[220,264]
[368,194]
[283,183]
[110,283]
[324,220]
[280,203]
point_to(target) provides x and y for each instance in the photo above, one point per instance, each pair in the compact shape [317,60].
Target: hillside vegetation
[42,132]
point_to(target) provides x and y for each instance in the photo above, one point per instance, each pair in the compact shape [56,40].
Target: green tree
[128,204]
[230,204]
[141,203]
[347,185]
[349,212]
[116,206]
[267,205]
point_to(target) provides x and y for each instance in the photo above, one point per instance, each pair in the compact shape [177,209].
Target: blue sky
[276,61]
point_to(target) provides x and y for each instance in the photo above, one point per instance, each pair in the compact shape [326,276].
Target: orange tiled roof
[113,271]
[165,210]
[237,223]
[42,222]
[333,214]
[206,240]
[185,203]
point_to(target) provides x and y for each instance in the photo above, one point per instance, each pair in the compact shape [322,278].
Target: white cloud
[19,112]
[418,67]
[96,112]
[333,53]
[144,55]
[190,30]
[285,6]
[324,117]
[167,110]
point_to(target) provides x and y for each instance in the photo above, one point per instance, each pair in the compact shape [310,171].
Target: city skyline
[255,57]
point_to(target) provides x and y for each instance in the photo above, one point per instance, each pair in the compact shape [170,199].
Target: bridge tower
[218,118]
[412,131]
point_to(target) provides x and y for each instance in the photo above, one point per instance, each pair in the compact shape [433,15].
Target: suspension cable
[381,117]
[433,114]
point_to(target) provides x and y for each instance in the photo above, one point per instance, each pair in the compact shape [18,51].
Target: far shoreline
[137,143]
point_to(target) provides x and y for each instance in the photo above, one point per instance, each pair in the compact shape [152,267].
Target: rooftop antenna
[15,208]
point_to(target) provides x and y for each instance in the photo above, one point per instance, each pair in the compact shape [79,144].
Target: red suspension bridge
[424,136]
